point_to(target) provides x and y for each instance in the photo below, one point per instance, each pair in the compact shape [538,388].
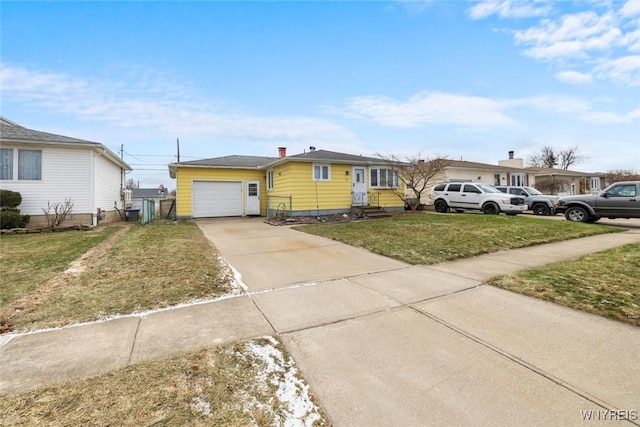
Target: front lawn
[427,238]
[151,266]
[605,283]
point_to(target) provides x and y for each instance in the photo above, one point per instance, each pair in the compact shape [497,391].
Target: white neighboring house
[44,167]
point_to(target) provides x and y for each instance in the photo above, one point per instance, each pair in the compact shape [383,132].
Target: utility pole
[178,147]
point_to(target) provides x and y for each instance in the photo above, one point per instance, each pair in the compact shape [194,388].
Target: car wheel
[577,214]
[441,206]
[540,209]
[491,208]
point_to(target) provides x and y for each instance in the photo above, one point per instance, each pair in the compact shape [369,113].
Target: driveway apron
[385,343]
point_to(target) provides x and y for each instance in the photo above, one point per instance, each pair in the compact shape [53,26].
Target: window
[321,173]
[496,179]
[595,183]
[625,190]
[517,179]
[6,163]
[454,187]
[252,189]
[471,189]
[270,179]
[384,178]
[30,165]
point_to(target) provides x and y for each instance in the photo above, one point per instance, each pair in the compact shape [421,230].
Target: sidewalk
[379,341]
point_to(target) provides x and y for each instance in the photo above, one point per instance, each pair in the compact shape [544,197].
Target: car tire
[491,208]
[540,209]
[577,214]
[441,206]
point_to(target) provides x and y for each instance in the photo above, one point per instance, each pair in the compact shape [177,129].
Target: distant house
[140,194]
[317,182]
[553,180]
[44,168]
[511,171]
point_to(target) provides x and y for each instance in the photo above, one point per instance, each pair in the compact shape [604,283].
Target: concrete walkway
[379,341]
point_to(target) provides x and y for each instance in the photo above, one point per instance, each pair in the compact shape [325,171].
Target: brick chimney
[282,152]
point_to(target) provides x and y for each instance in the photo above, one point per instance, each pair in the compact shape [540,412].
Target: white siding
[66,173]
[107,182]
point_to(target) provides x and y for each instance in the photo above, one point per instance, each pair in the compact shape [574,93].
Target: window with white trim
[29,164]
[384,178]
[6,163]
[321,173]
[517,179]
[270,179]
[595,183]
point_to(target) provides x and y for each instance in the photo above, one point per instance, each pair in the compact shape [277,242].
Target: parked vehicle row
[540,204]
[619,200]
[475,196]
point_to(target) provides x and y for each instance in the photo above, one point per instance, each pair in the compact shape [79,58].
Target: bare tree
[570,156]
[547,158]
[416,175]
[552,184]
[130,184]
[550,157]
[622,175]
[57,213]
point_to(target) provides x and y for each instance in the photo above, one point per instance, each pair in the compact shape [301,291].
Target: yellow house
[317,182]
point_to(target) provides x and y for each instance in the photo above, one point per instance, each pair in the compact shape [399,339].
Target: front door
[253,198]
[359,187]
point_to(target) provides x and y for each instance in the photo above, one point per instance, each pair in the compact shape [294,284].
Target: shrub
[57,213]
[10,199]
[11,218]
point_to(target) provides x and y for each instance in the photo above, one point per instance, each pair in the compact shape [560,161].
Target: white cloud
[574,77]
[597,40]
[428,108]
[631,8]
[625,70]
[437,108]
[574,36]
[154,101]
[508,9]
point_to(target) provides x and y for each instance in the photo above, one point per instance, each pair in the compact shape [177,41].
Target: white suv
[467,195]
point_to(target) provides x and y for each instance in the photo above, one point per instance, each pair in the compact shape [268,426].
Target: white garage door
[220,198]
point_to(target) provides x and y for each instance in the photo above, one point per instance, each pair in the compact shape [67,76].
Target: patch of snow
[198,404]
[236,283]
[291,390]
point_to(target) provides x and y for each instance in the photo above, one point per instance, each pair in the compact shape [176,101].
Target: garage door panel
[217,198]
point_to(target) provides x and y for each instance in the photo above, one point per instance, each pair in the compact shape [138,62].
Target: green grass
[152,266]
[428,238]
[605,283]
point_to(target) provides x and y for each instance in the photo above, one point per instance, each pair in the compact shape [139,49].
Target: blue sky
[468,80]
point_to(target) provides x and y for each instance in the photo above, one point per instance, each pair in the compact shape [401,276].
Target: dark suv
[619,200]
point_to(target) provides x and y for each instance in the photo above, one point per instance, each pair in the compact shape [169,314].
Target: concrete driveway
[380,342]
[385,343]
